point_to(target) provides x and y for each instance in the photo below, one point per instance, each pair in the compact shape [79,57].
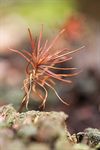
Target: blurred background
[81,18]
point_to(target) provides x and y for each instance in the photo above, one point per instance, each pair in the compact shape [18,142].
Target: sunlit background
[81,19]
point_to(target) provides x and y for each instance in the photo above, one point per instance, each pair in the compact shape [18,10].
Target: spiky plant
[40,68]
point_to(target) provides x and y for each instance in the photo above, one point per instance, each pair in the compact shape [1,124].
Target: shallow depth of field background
[81,18]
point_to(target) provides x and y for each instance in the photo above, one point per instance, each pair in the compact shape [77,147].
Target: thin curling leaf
[41,64]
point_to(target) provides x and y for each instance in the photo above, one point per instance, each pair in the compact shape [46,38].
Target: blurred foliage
[40,11]
[90,8]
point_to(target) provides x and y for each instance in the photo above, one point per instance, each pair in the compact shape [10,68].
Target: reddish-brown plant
[41,66]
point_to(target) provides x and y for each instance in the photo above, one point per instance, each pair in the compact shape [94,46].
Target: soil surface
[35,130]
